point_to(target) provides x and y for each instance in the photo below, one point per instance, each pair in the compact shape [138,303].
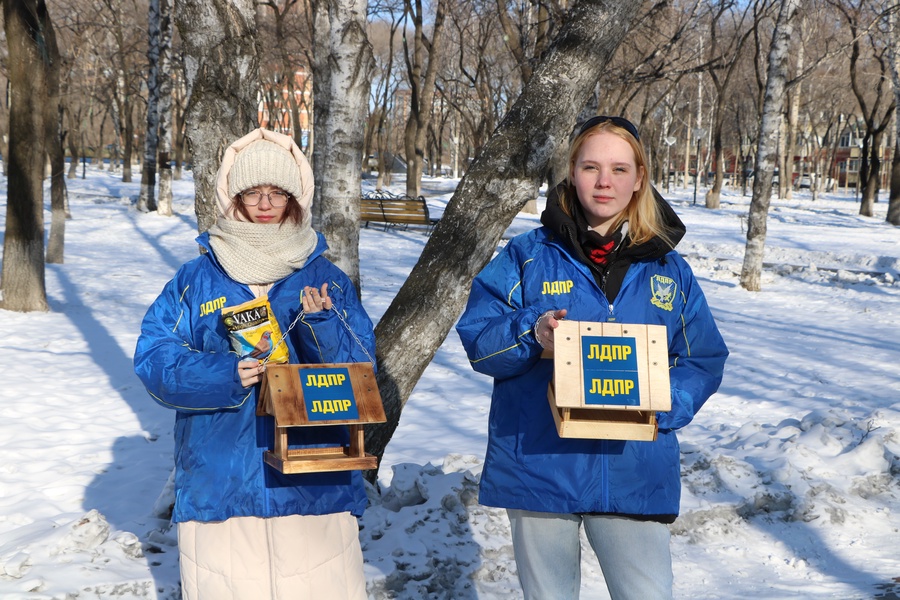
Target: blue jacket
[527,465]
[184,359]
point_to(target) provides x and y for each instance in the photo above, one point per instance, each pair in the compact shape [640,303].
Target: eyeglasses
[277,199]
[618,121]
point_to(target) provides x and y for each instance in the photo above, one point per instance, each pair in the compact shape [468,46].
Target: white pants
[282,558]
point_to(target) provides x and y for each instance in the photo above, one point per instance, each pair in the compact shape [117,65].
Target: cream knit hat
[265,163]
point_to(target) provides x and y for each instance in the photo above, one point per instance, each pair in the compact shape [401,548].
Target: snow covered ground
[790,472]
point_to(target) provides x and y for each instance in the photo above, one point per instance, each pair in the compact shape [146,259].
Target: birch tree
[505,175]
[220,61]
[893,215]
[164,150]
[751,272]
[28,34]
[342,70]
[147,197]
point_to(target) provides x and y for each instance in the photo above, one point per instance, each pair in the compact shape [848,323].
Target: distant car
[805,182]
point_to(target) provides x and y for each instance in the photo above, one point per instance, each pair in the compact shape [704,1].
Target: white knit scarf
[259,253]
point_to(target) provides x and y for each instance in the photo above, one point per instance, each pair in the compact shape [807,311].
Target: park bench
[394,210]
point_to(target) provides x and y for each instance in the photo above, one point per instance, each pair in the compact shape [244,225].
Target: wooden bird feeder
[316,395]
[609,380]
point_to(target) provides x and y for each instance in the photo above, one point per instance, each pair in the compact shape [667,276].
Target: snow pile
[79,558]
[427,537]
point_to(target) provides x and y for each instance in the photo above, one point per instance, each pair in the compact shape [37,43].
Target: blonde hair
[643,213]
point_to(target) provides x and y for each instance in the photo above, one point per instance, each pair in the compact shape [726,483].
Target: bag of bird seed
[254,331]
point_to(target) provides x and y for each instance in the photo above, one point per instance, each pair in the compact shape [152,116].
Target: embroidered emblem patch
[663,290]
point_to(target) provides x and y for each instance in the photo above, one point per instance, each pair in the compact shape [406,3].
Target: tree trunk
[782,153]
[147,198]
[714,194]
[421,92]
[4,135]
[873,175]
[72,141]
[721,72]
[164,204]
[342,71]
[54,138]
[59,210]
[893,214]
[127,140]
[28,34]
[794,99]
[751,272]
[506,174]
[178,131]
[383,124]
[221,57]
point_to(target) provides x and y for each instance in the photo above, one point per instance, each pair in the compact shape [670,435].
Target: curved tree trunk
[506,174]
[221,58]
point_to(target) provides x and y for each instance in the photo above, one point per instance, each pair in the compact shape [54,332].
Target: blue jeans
[634,555]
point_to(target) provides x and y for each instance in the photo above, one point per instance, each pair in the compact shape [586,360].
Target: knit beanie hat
[265,163]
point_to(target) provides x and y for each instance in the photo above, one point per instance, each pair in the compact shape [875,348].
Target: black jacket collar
[565,227]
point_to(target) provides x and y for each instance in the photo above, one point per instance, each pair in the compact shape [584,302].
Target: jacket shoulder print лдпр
[527,465]
[219,439]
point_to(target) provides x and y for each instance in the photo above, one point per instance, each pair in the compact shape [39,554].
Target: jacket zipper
[603,276]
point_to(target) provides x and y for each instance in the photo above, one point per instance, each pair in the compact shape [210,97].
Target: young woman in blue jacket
[245,530]
[605,252]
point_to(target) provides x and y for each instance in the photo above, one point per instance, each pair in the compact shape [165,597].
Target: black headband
[619,121]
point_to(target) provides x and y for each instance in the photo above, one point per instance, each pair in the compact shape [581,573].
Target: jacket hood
[223,199]
[564,226]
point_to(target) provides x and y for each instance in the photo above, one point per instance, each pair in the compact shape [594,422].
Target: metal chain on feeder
[343,322]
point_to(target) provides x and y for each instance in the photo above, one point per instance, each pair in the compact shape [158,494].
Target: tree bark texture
[342,71]
[222,70]
[54,138]
[23,286]
[893,214]
[59,209]
[505,175]
[773,103]
[147,198]
[795,97]
[164,150]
